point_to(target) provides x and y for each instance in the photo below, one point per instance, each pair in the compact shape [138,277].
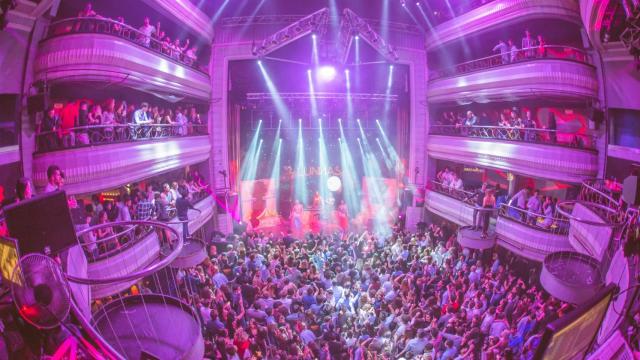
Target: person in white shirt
[54,177]
[147,30]
[533,206]
[504,51]
[181,120]
[519,200]
[514,51]
[141,118]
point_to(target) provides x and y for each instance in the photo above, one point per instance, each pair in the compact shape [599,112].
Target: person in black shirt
[182,209]
[48,138]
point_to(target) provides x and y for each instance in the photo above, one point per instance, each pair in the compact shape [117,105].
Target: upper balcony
[451,204]
[104,50]
[530,235]
[556,72]
[112,155]
[541,153]
[500,13]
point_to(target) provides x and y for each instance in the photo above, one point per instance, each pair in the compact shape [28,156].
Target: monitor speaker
[42,224]
[631,190]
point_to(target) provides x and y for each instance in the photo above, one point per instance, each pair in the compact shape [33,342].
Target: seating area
[87,122]
[148,35]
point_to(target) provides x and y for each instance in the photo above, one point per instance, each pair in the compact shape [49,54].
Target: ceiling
[371,9]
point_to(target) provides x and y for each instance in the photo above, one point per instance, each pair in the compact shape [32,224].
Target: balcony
[451,204]
[103,50]
[500,13]
[108,164]
[530,235]
[536,159]
[142,248]
[556,72]
[198,22]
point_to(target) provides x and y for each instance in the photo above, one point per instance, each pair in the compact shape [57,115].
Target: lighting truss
[323,95]
[630,37]
[260,20]
[350,26]
[315,22]
[353,24]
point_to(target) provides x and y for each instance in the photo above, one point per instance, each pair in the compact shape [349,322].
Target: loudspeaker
[42,224]
[631,190]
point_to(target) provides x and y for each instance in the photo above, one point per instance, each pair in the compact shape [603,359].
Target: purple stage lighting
[326,73]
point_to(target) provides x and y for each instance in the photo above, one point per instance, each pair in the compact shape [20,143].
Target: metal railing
[459,194]
[98,25]
[83,136]
[555,224]
[153,267]
[556,52]
[530,135]
[123,237]
[601,192]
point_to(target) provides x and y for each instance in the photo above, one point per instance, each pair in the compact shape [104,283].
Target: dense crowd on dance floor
[360,296]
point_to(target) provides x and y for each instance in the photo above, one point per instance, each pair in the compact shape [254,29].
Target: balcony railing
[124,237]
[554,224]
[459,194]
[530,135]
[120,30]
[521,55]
[84,136]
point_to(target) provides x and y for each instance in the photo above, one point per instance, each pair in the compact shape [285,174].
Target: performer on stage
[343,216]
[317,202]
[296,217]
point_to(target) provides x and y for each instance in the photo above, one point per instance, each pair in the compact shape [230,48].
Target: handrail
[168,259]
[546,52]
[131,229]
[67,138]
[592,191]
[100,25]
[513,133]
[550,224]
[462,195]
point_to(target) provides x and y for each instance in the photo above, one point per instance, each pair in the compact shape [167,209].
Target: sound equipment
[631,190]
[42,224]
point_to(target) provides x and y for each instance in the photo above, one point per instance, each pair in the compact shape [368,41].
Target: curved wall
[449,208]
[92,169]
[543,161]
[501,12]
[529,242]
[552,78]
[107,58]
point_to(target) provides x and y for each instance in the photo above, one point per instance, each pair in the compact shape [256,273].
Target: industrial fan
[40,291]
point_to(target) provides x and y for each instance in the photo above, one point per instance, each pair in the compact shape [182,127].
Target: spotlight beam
[281,108]
[300,186]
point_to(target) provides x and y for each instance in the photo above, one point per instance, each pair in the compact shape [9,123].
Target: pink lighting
[326,73]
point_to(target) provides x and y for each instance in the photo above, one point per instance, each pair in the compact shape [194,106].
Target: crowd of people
[508,124]
[161,200]
[360,296]
[148,35]
[85,122]
[527,205]
[530,48]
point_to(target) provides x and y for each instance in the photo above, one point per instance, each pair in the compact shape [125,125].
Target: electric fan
[40,291]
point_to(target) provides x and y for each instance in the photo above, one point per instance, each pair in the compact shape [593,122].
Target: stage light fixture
[357,37]
[259,62]
[334,183]
[326,73]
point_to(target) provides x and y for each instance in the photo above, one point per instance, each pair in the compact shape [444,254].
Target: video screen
[570,337]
